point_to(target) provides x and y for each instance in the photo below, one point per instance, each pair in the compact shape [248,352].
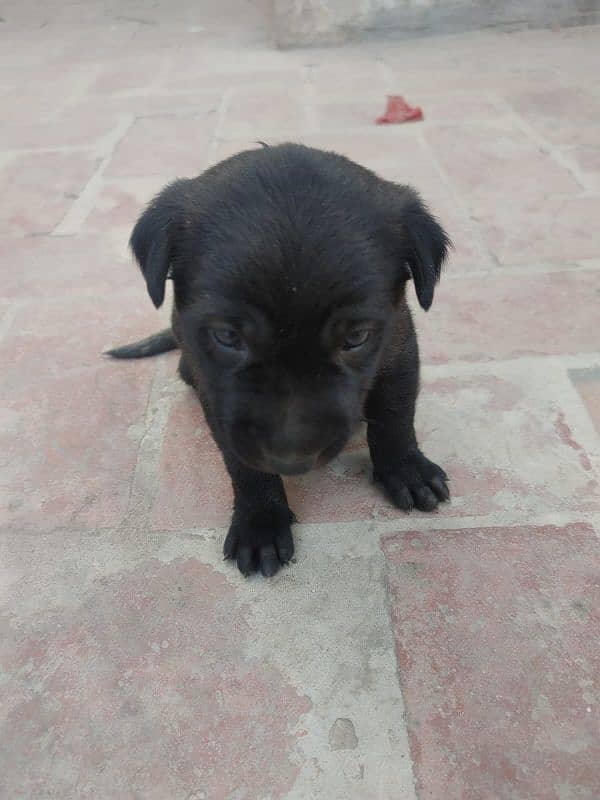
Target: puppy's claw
[402,498]
[230,544]
[285,546]
[245,561]
[438,484]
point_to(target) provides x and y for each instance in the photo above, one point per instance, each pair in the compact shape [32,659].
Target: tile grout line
[16,152]
[215,139]
[398,673]
[404,525]
[557,153]
[81,208]
[589,359]
[309,105]
[7,319]
[145,477]
[408,524]
[500,270]
[472,226]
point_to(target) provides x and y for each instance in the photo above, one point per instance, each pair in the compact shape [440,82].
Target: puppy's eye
[227,337]
[356,338]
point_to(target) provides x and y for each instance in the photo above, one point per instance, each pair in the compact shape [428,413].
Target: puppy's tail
[151,346]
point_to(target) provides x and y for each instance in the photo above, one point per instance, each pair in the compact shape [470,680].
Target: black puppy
[289,267]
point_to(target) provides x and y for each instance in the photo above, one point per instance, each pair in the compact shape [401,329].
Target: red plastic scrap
[398,110]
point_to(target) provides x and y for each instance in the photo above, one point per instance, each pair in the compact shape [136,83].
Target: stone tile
[550,313]
[393,153]
[345,79]
[417,79]
[72,421]
[38,120]
[587,383]
[336,584]
[563,115]
[68,128]
[495,638]
[184,77]
[52,266]
[478,62]
[335,114]
[126,74]
[364,148]
[519,471]
[118,205]
[554,229]
[526,204]
[146,691]
[469,251]
[34,92]
[459,106]
[25,107]
[495,166]
[260,111]
[225,148]
[39,189]
[194,489]
[382,147]
[535,462]
[151,103]
[587,158]
[163,146]
[416,167]
[407,160]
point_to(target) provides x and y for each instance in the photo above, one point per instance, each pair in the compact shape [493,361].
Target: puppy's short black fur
[289,267]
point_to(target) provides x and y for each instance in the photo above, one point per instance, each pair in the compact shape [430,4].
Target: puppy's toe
[438,484]
[400,494]
[425,500]
[269,560]
[245,560]
[230,543]
[284,543]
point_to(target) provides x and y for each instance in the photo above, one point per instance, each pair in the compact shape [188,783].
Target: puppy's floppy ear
[423,243]
[152,238]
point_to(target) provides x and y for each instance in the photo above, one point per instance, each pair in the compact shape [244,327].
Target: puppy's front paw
[260,540]
[414,482]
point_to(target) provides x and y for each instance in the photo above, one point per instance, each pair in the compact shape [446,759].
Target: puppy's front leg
[410,479]
[260,536]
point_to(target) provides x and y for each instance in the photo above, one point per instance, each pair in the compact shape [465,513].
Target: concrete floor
[451,656]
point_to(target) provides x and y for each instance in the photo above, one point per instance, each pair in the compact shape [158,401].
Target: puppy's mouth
[296,465]
[300,467]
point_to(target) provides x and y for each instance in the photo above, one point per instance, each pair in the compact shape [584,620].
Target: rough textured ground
[453,656]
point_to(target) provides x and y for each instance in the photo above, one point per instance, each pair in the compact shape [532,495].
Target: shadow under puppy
[289,267]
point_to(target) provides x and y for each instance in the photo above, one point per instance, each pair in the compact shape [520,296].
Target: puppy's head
[289,267]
